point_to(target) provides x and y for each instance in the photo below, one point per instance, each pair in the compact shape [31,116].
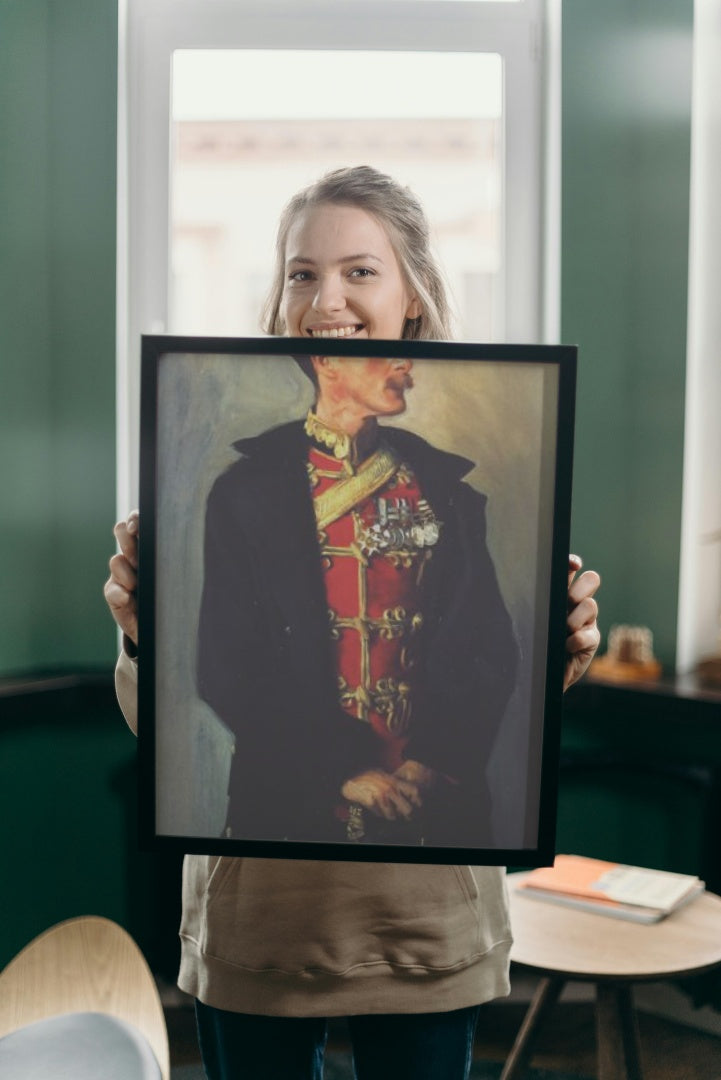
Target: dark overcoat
[265,657]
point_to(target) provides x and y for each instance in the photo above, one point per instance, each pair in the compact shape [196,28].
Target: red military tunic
[376,533]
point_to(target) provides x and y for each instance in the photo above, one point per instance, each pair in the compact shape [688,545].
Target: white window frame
[526,34]
[699,597]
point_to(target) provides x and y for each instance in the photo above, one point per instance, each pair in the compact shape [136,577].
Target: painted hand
[423,777]
[390,797]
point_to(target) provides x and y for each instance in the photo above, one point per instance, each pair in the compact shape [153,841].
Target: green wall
[626,145]
[58,72]
[69,814]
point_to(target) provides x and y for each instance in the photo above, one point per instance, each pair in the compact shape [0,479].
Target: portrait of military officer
[352,632]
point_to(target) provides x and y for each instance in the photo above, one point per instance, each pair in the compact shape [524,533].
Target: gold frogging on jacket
[389,698]
[397,529]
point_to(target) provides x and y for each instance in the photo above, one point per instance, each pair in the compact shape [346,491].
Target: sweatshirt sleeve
[126,688]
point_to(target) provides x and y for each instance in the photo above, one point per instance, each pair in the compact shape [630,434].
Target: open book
[608,888]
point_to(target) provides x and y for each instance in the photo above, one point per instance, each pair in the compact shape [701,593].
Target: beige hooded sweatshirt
[285,937]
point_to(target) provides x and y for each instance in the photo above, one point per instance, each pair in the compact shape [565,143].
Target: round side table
[563,944]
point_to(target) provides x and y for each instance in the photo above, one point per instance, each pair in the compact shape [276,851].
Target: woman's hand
[583,635]
[390,797]
[121,587]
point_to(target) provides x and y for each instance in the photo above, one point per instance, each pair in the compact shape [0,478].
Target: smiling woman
[332,292]
[353,258]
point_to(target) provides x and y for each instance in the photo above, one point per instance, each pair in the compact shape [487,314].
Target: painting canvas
[352,645]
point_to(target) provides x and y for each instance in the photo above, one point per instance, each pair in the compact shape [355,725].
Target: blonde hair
[400,212]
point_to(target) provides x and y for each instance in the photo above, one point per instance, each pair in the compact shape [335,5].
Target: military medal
[398,526]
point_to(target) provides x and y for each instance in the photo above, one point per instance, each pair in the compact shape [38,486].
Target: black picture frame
[509,411]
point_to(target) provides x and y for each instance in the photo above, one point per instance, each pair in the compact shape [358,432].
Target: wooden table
[563,944]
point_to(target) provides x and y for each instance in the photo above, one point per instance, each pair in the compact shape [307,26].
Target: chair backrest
[88,964]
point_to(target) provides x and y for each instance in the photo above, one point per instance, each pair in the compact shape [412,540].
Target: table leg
[545,997]
[617,1033]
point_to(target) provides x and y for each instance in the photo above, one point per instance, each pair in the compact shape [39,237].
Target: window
[227,107]
[235,161]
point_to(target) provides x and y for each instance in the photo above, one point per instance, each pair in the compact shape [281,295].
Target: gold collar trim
[341,446]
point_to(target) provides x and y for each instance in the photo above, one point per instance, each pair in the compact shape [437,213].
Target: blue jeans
[415,1046]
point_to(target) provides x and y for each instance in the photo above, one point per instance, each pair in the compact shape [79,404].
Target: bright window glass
[434,121]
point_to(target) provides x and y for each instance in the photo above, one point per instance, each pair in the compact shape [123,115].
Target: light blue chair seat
[78,1046]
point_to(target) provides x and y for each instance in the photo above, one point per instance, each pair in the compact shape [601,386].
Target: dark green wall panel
[82,205]
[63,786]
[58,76]
[641,778]
[26,398]
[626,145]
[69,812]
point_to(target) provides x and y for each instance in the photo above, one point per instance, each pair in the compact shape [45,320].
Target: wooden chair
[89,971]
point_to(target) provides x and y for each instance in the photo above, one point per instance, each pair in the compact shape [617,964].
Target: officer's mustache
[400,380]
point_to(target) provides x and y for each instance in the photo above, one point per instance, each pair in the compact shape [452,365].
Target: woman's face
[342,277]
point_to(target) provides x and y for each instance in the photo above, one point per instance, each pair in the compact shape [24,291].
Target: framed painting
[352,597]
